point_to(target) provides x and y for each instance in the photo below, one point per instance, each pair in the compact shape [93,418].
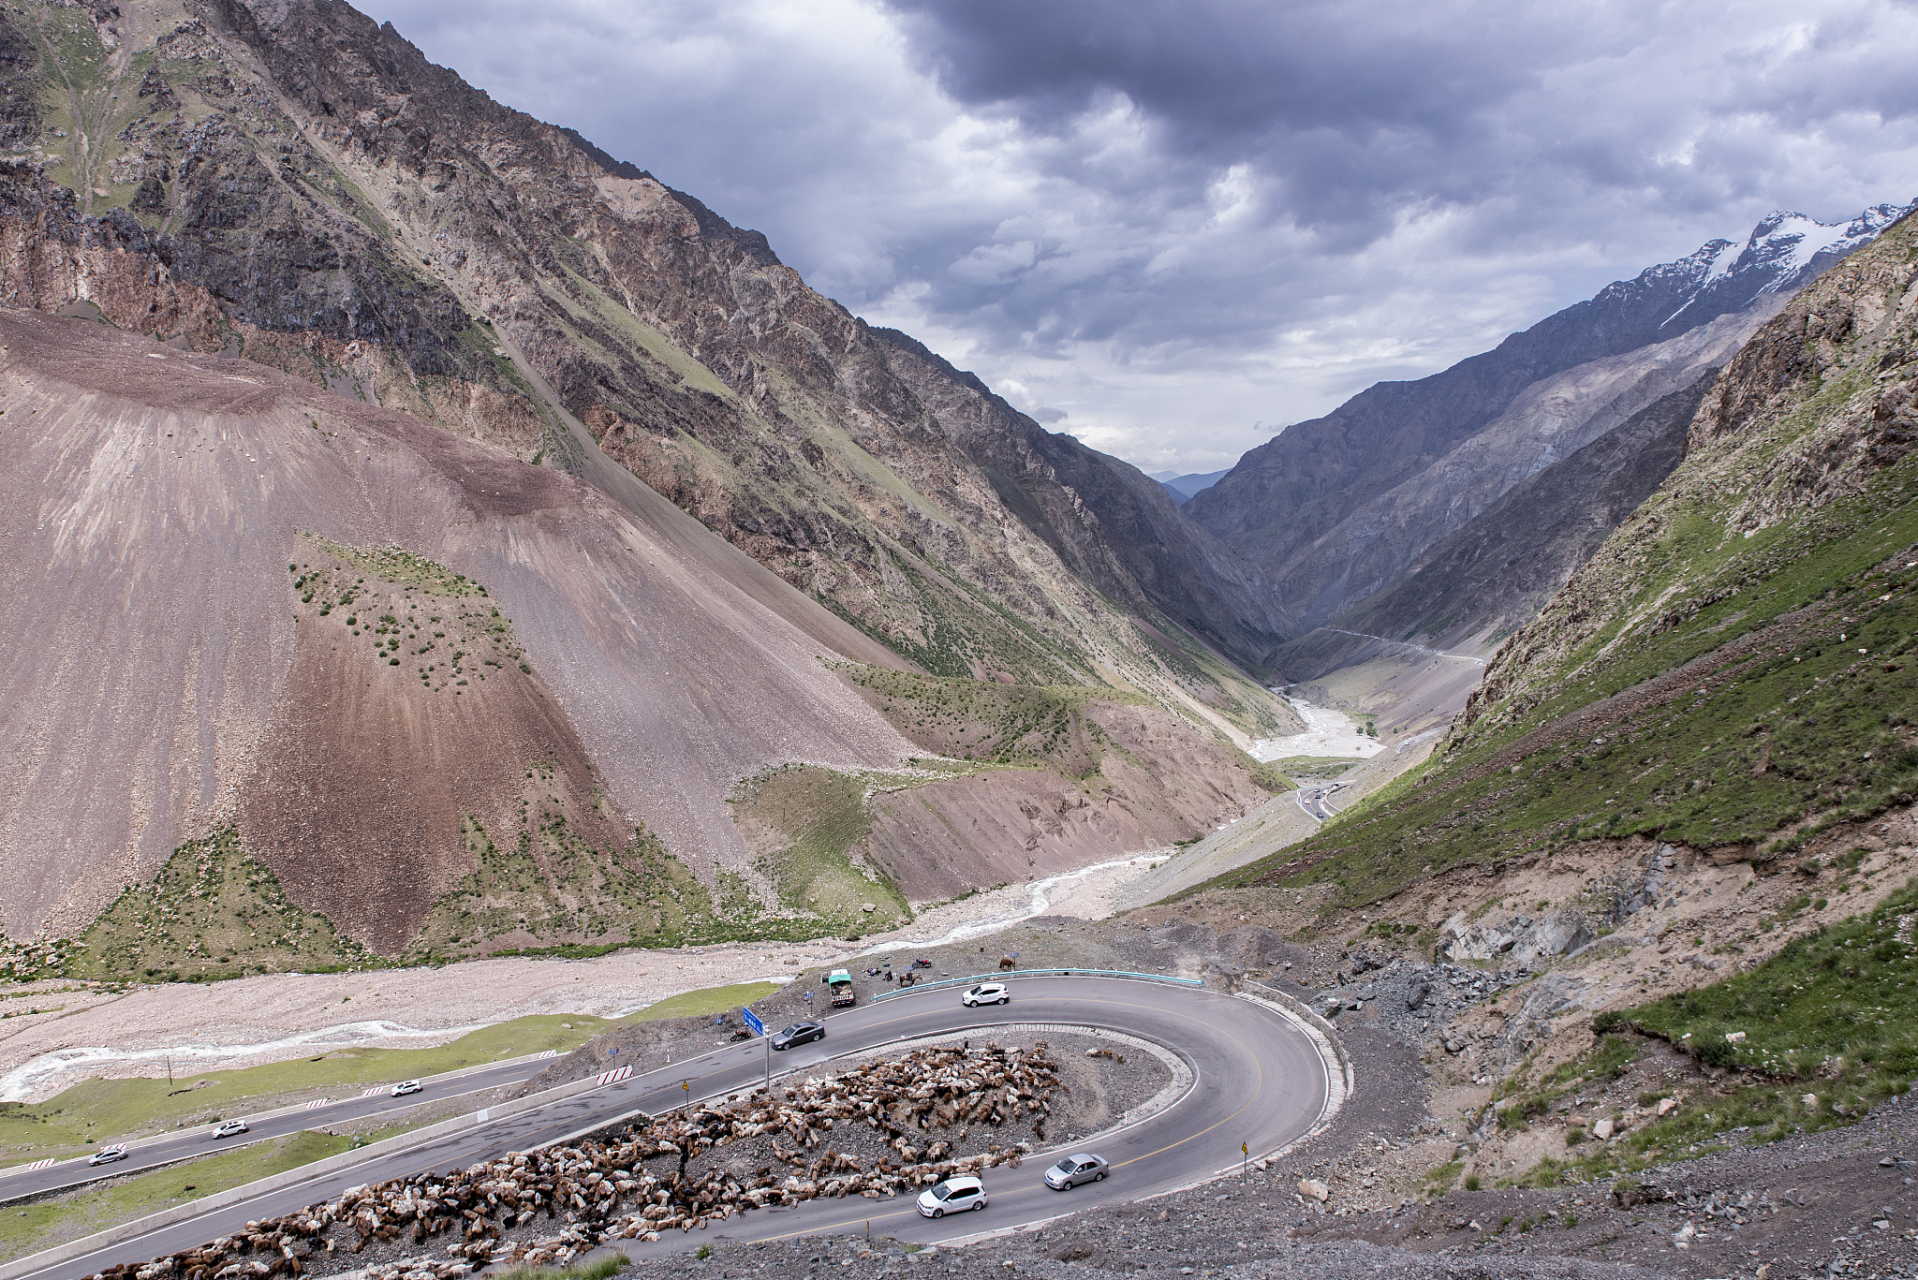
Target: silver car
[1081,1166]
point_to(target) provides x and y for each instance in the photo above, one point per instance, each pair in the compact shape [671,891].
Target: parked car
[405,1087]
[107,1155]
[231,1129]
[986,993]
[954,1195]
[800,1033]
[1081,1166]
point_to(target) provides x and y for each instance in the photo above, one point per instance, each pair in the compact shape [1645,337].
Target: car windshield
[941,1191]
[1066,1165]
[794,1029]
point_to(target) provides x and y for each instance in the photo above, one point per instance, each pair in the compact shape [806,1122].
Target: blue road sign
[752,1021]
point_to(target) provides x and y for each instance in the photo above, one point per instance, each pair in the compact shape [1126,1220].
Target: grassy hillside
[1733,669]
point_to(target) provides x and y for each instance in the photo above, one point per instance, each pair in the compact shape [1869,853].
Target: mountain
[354,213]
[1731,671]
[1340,507]
[717,563]
[1182,487]
[1493,574]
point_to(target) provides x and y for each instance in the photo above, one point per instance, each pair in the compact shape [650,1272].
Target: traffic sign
[753,1023]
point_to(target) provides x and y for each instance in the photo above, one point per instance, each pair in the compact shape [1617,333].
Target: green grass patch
[965,719]
[100,1111]
[100,1205]
[577,899]
[1838,1006]
[210,912]
[599,1270]
[1608,1060]
[1314,768]
[810,820]
[705,1002]
[1830,1029]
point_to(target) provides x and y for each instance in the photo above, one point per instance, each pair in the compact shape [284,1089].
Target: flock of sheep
[601,1191]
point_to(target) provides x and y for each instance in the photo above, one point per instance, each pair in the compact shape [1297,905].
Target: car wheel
[1098,1177]
[938,1213]
[1003,999]
[979,1206]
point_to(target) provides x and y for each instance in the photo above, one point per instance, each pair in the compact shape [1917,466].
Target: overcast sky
[1172,228]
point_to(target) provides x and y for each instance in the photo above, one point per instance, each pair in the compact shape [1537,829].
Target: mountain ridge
[1315,477]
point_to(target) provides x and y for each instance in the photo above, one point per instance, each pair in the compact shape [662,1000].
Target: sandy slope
[152,503]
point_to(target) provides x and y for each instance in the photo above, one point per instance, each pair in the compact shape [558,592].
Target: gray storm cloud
[1175,221]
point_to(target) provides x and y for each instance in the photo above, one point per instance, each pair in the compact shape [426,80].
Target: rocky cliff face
[1338,508]
[303,171]
[1492,576]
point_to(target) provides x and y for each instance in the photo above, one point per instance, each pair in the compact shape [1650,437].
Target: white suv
[954,1195]
[986,993]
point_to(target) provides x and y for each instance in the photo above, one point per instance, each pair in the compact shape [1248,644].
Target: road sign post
[1245,1156]
[758,1028]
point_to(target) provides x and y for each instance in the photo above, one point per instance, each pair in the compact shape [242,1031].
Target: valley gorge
[459,581]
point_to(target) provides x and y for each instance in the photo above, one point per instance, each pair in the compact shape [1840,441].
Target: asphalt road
[1257,1080]
[1313,800]
[19,1182]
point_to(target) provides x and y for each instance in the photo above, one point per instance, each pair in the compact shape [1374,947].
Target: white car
[986,993]
[405,1087]
[107,1155]
[231,1129]
[954,1195]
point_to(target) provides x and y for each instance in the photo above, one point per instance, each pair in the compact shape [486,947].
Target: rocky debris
[1411,998]
[1243,1226]
[600,1191]
[1520,938]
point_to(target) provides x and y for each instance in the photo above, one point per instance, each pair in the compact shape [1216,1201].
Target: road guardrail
[1034,973]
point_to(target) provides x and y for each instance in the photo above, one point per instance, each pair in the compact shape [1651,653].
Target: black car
[799,1033]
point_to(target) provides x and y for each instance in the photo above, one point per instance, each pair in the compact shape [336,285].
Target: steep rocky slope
[1341,507]
[295,184]
[1481,583]
[1731,670]
[329,670]
[213,626]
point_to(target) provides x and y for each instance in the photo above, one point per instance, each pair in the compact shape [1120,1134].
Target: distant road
[1407,644]
[22,1181]
[1313,800]
[1257,1079]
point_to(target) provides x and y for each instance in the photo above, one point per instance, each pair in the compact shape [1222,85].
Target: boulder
[1313,1189]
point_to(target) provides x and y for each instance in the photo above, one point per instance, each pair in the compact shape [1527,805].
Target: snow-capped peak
[1776,256]
[1785,243]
